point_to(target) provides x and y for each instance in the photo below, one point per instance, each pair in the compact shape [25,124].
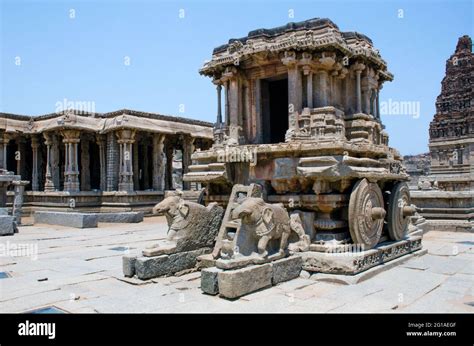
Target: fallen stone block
[209,281]
[128,265]
[126,217]
[7,225]
[152,267]
[76,220]
[236,283]
[286,269]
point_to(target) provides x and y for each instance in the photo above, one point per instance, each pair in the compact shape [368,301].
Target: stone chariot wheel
[399,211]
[366,214]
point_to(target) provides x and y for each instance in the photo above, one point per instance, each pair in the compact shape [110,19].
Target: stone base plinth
[145,268]
[235,283]
[85,220]
[7,225]
[76,220]
[127,217]
[350,263]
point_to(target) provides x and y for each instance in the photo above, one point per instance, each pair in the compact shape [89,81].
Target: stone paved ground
[79,271]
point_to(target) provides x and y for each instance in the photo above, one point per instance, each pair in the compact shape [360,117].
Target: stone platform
[354,262]
[85,220]
[235,283]
[146,267]
[84,275]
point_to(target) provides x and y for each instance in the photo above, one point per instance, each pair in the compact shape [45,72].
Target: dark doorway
[274,109]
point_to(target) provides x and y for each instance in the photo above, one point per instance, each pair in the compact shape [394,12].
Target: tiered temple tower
[452,129]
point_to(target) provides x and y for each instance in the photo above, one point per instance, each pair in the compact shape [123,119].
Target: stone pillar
[323,88]
[227,103]
[188,149]
[19,187]
[101,142]
[49,184]
[4,139]
[136,169]
[145,173]
[20,157]
[234,101]
[158,162]
[169,167]
[71,141]
[35,167]
[219,105]
[126,138]
[377,104]
[55,158]
[309,89]
[113,160]
[358,71]
[85,166]
[294,82]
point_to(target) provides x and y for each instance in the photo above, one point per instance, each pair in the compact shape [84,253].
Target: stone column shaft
[169,167]
[136,166]
[54,162]
[48,184]
[219,105]
[35,168]
[227,122]
[85,165]
[3,150]
[294,88]
[19,187]
[71,171]
[126,138]
[309,89]
[114,162]
[377,105]
[145,173]
[323,88]
[188,149]
[234,101]
[158,162]
[358,93]
[100,140]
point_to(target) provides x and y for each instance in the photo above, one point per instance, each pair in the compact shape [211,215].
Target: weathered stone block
[127,217]
[76,220]
[128,265]
[209,281]
[152,267]
[236,283]
[355,262]
[7,226]
[286,269]
[206,261]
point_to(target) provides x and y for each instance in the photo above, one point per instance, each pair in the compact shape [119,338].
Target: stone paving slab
[82,275]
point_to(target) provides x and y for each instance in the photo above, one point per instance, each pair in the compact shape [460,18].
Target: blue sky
[84,58]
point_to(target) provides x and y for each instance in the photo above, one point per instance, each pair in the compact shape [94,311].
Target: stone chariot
[302,120]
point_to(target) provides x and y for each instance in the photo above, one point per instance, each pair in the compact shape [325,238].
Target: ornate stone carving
[190,225]
[366,213]
[270,222]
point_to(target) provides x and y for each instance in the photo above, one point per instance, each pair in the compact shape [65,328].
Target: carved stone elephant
[268,221]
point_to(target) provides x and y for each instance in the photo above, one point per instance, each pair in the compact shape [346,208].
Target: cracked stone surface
[79,271]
